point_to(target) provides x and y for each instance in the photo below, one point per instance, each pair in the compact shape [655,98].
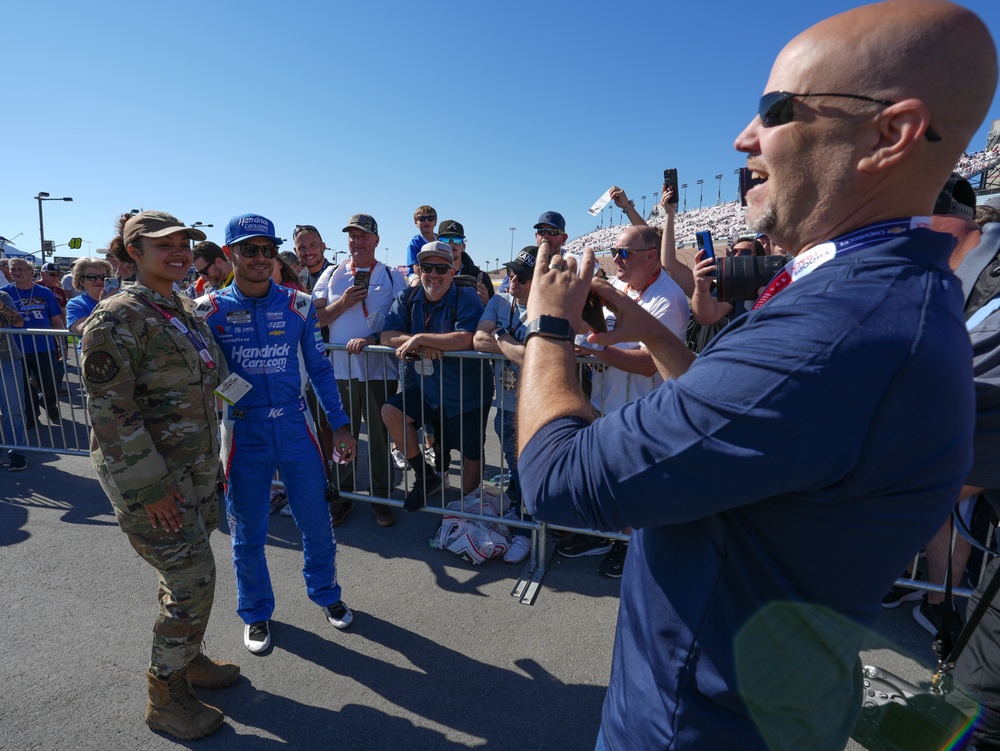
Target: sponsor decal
[276,324]
[279,332]
[274,314]
[238,414]
[276,412]
[238,316]
[272,357]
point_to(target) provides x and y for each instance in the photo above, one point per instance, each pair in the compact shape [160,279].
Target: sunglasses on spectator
[249,250]
[427,218]
[452,240]
[522,278]
[775,108]
[300,228]
[548,232]
[624,252]
[441,268]
[95,277]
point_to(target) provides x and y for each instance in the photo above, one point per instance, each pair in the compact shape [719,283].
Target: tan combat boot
[173,708]
[204,672]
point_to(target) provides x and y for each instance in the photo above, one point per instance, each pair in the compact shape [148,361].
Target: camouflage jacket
[151,399]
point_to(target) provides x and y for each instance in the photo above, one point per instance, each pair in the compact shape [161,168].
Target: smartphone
[705,243]
[670,181]
[593,313]
[112,285]
[361,278]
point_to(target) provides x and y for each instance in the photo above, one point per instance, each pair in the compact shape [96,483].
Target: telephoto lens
[741,277]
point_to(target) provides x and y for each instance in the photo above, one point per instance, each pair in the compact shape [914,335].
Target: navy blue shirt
[779,485]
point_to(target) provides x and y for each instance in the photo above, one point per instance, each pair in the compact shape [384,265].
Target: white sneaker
[257,636]
[519,549]
[398,459]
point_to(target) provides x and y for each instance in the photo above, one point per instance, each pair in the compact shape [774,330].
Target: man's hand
[353,295]
[665,199]
[483,294]
[619,197]
[344,444]
[704,271]
[166,512]
[354,346]
[431,353]
[558,288]
[410,345]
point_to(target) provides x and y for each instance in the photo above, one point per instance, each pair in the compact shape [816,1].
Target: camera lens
[741,277]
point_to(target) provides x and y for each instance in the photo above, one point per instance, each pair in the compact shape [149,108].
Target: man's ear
[901,128]
[229,253]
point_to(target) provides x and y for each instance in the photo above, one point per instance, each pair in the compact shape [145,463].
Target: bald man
[834,418]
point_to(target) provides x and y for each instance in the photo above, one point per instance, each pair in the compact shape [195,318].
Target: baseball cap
[49,267]
[435,250]
[524,264]
[247,226]
[553,219]
[956,197]
[363,222]
[450,228]
[156,224]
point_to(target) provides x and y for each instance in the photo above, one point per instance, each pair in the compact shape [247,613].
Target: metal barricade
[46,382]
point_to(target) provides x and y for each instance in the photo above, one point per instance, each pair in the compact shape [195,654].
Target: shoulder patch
[92,338]
[100,367]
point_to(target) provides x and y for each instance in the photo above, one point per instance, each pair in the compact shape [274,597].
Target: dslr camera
[741,277]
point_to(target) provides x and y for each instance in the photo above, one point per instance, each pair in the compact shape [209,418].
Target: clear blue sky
[308,112]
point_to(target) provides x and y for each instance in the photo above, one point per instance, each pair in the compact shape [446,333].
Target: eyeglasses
[440,268]
[775,108]
[51,273]
[249,250]
[426,218]
[452,240]
[522,278]
[300,228]
[204,271]
[95,277]
[548,232]
[625,252]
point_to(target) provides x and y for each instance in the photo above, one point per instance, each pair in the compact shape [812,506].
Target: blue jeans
[12,404]
[503,424]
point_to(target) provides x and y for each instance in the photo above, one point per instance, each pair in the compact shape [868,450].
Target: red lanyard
[648,285]
[350,267]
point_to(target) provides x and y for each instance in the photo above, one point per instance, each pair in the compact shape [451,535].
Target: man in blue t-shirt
[425,217]
[40,310]
[839,410]
[425,322]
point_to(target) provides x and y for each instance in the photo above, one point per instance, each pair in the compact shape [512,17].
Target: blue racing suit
[274,343]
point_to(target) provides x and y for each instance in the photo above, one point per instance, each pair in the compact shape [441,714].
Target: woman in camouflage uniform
[150,368]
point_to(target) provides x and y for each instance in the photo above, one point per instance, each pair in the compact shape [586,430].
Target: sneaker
[520,547]
[339,510]
[398,459]
[430,453]
[339,615]
[286,510]
[257,636]
[416,499]
[384,515]
[18,463]
[278,499]
[931,617]
[580,545]
[614,562]
[898,595]
[54,417]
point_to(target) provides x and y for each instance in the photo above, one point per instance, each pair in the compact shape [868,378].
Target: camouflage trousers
[185,567]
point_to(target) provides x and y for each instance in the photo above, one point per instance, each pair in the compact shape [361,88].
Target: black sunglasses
[426,218]
[95,277]
[441,268]
[624,252]
[300,228]
[522,278]
[249,250]
[775,108]
[548,232]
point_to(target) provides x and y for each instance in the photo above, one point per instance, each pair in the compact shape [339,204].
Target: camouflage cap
[157,224]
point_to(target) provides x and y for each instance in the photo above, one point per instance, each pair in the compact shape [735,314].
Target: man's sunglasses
[549,232]
[249,250]
[775,108]
[426,218]
[300,228]
[440,268]
[452,240]
[624,252]
[522,278]
[95,277]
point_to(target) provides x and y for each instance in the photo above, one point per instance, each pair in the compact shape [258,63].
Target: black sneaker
[339,615]
[898,595]
[257,636]
[931,617]
[339,510]
[54,417]
[580,545]
[416,499]
[614,562]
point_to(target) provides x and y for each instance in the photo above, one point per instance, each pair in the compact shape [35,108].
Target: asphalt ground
[440,656]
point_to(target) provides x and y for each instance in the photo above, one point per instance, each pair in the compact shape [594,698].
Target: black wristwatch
[550,327]
[376,336]
[499,332]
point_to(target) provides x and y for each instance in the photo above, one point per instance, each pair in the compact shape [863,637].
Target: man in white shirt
[352,299]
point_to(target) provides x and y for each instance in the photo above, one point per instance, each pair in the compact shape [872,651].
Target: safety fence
[44,389]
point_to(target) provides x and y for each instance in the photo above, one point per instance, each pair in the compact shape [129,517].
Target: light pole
[737,173]
[498,263]
[656,195]
[512,231]
[200,224]
[701,189]
[718,199]
[644,207]
[685,188]
[41,223]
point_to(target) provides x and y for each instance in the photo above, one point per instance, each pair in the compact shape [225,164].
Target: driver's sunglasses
[440,268]
[249,250]
[775,108]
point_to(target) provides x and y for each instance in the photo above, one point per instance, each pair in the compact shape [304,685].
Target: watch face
[551,327]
